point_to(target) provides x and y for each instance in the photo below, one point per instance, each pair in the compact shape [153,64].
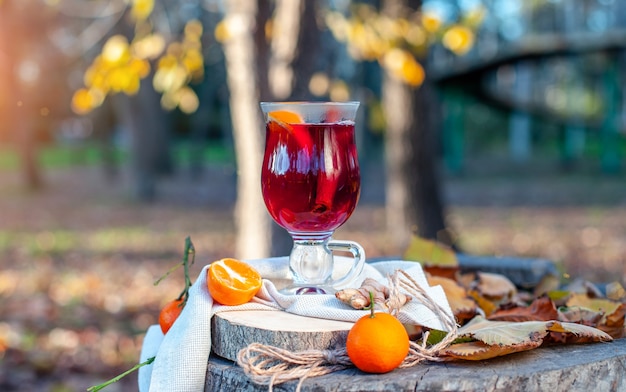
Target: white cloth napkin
[182,354]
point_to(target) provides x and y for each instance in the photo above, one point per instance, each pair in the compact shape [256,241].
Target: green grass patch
[43,242]
[62,156]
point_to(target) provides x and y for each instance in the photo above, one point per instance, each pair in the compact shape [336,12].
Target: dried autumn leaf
[541,309]
[443,271]
[495,286]
[435,257]
[463,307]
[609,316]
[478,351]
[603,305]
[496,338]
[615,291]
[614,323]
[566,333]
[549,283]
[485,304]
[559,297]
[414,331]
[578,315]
[503,332]
[466,279]
[581,286]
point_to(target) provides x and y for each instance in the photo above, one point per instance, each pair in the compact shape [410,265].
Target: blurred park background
[497,126]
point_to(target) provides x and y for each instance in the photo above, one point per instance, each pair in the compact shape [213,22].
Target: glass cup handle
[357,252]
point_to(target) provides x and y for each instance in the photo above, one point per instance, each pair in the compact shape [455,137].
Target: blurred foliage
[397,44]
[121,64]
[400,44]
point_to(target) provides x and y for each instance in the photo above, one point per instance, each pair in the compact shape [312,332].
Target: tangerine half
[377,343]
[232,282]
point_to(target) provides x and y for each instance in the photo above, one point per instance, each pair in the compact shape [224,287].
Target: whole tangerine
[377,343]
[170,313]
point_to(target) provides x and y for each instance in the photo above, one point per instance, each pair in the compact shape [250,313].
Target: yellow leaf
[221,32]
[116,51]
[429,252]
[193,29]
[82,101]
[149,47]
[167,61]
[120,79]
[85,100]
[169,101]
[415,35]
[132,86]
[169,79]
[193,61]
[175,49]
[139,67]
[403,66]
[431,22]
[93,75]
[488,306]
[141,9]
[188,101]
[458,39]
[412,72]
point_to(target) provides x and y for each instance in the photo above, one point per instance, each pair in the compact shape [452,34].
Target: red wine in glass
[310,181]
[310,176]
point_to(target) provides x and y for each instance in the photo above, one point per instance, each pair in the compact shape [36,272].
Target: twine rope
[417,352]
[269,365]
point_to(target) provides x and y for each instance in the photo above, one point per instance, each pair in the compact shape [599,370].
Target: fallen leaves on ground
[497,318]
[496,338]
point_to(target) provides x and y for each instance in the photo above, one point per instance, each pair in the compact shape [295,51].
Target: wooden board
[598,367]
[232,331]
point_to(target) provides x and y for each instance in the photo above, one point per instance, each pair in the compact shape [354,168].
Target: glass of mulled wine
[311,183]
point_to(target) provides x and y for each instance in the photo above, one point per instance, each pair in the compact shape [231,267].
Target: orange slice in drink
[285,117]
[232,282]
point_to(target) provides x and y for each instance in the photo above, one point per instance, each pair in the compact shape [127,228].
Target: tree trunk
[422,171]
[413,200]
[397,105]
[251,218]
[17,108]
[284,47]
[149,150]
[291,69]
[25,130]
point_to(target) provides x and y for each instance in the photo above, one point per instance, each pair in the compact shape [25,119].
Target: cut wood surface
[232,331]
[595,367]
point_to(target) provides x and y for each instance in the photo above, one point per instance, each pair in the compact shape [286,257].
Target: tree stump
[597,367]
[233,331]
